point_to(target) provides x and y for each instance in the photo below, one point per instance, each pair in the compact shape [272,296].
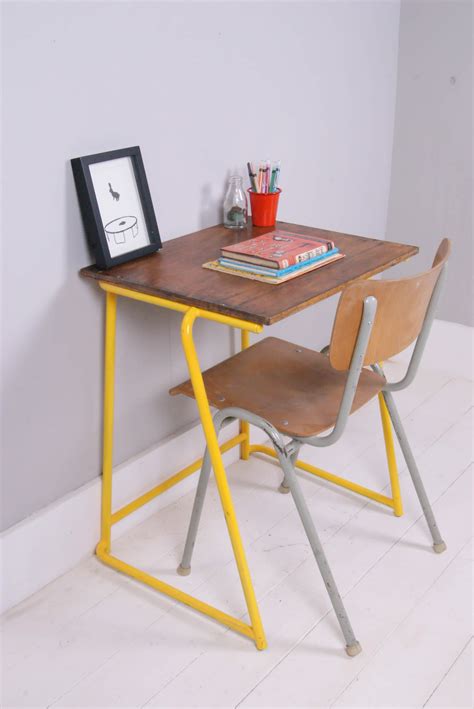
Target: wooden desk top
[176,273]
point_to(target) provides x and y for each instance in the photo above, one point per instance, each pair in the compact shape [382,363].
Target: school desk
[173,278]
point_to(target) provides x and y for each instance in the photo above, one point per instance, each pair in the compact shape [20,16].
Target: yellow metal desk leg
[244,425]
[391,459]
[219,472]
[109,377]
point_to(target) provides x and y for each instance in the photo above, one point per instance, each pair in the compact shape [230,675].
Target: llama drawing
[115,195]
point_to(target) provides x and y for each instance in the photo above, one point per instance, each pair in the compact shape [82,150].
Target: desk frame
[255,630]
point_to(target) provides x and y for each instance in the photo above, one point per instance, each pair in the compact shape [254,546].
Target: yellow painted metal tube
[342,482]
[181,307]
[391,458]
[244,425]
[107,453]
[244,340]
[219,472]
[170,482]
[175,593]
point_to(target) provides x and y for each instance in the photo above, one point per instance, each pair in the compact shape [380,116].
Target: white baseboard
[44,546]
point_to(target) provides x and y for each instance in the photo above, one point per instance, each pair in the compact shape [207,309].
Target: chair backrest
[401,309]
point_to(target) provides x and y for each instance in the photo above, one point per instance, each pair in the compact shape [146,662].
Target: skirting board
[44,546]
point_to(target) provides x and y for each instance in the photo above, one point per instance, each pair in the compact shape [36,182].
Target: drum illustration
[121,229]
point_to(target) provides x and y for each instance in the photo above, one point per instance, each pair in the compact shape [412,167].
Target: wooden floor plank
[456,688]
[421,649]
[94,638]
[299,602]
[379,602]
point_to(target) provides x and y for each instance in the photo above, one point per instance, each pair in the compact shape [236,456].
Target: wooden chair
[288,390]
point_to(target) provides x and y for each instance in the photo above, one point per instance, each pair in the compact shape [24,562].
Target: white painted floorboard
[455,689]
[93,638]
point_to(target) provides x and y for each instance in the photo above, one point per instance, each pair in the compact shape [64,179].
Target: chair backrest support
[401,309]
[369,308]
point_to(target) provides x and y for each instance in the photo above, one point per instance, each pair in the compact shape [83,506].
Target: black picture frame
[91,213]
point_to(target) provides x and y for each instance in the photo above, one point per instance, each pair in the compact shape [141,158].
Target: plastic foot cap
[439,548]
[182,571]
[354,649]
[283,489]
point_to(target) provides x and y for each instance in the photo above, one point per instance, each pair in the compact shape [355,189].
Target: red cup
[264,207]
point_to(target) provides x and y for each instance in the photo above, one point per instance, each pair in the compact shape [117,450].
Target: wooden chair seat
[292,387]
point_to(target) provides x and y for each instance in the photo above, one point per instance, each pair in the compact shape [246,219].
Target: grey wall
[191,84]
[431,188]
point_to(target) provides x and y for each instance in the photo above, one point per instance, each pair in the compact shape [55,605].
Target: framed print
[116,206]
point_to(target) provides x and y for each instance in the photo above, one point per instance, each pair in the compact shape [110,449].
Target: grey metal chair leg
[438,544]
[352,645]
[184,569]
[284,487]
[228,414]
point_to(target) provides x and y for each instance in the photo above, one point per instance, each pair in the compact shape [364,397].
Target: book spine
[247,267]
[306,255]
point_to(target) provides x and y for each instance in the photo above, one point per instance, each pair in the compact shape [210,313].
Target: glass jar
[235,204]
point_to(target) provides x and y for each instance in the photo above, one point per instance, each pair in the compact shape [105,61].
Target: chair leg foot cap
[439,548]
[283,489]
[354,649]
[182,571]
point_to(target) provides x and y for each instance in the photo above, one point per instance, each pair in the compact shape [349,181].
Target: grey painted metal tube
[220,419]
[296,445]
[184,569]
[357,362]
[438,543]
[421,339]
[352,645]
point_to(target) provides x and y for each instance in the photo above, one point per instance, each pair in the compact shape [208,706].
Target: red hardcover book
[278,249]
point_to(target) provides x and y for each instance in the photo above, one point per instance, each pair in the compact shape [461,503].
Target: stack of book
[275,257]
